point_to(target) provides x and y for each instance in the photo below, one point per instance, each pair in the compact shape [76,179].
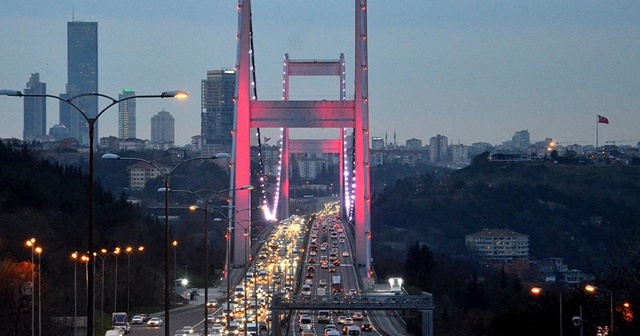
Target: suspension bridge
[349,118]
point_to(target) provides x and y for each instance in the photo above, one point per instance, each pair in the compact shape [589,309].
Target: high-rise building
[438,148]
[414,143]
[162,127]
[217,111]
[82,77]
[127,115]
[377,143]
[35,109]
[521,139]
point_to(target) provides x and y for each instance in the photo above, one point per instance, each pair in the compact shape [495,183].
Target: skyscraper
[217,111]
[438,148]
[35,109]
[162,127]
[127,115]
[82,77]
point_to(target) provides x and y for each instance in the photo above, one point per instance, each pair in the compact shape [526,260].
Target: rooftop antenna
[73,14]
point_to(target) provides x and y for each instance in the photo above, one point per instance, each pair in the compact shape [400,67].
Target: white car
[137,319]
[345,254]
[216,328]
[154,322]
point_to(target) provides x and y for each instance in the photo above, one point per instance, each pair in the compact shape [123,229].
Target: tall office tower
[162,127]
[82,77]
[35,109]
[217,111]
[127,115]
[438,147]
[521,139]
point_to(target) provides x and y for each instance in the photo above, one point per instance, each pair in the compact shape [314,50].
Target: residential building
[521,140]
[498,245]
[377,143]
[414,143]
[35,110]
[217,111]
[162,127]
[459,153]
[82,77]
[127,115]
[438,148]
[140,173]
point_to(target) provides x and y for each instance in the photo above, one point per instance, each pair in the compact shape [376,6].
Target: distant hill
[586,214]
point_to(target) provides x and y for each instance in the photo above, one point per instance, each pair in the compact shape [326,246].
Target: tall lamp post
[175,269]
[206,203]
[39,252]
[128,250]
[592,289]
[74,256]
[538,291]
[31,243]
[167,177]
[228,254]
[91,121]
[116,254]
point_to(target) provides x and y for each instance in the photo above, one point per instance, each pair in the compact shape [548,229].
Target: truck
[336,284]
[120,321]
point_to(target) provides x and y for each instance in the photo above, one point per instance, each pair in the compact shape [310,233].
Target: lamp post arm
[67,101]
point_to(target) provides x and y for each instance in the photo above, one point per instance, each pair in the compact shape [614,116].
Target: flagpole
[597,122]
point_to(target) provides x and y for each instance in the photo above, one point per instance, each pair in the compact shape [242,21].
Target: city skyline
[472,72]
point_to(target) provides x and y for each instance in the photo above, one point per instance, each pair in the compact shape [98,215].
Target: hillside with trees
[48,201]
[585,214]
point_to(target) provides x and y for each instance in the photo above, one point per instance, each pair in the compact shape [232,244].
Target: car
[341,241]
[322,282]
[341,319]
[348,321]
[114,332]
[137,319]
[212,304]
[216,328]
[366,327]
[345,254]
[154,322]
[312,260]
[188,330]
[357,316]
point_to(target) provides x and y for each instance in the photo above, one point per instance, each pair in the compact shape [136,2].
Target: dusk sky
[470,70]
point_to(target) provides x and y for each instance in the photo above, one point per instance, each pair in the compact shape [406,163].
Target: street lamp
[175,270]
[228,254]
[167,177]
[538,291]
[91,121]
[31,243]
[593,289]
[74,256]
[206,203]
[128,250]
[39,252]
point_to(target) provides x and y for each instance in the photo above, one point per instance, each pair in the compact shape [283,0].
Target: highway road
[295,257]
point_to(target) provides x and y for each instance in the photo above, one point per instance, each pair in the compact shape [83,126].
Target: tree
[15,295]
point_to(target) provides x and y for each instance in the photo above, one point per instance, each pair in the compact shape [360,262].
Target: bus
[336,284]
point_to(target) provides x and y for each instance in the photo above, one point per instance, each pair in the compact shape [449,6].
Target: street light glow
[178,94]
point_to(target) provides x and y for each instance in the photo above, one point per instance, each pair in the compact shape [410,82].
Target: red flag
[602,120]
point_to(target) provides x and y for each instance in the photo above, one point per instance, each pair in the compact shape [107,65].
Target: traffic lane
[188,317]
